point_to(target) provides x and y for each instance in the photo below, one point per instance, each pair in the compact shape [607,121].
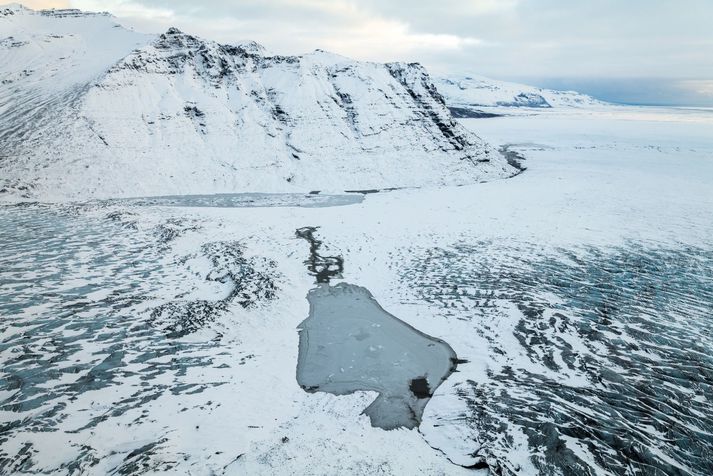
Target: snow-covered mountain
[91,109]
[462,93]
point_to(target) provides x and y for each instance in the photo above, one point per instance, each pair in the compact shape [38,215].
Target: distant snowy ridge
[89,109]
[466,92]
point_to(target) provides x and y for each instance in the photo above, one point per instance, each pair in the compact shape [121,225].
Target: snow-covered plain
[579,292]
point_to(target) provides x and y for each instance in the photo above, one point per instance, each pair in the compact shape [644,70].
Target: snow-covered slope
[476,91]
[47,61]
[103,111]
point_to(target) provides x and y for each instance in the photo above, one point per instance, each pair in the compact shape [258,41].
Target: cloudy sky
[648,51]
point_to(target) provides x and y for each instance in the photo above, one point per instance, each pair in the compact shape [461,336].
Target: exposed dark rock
[412,74]
[468,113]
[514,158]
[172,229]
[251,280]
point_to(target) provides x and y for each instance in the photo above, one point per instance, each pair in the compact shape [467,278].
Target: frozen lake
[244,200]
[349,343]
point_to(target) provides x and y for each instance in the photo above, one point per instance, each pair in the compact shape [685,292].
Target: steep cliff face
[176,114]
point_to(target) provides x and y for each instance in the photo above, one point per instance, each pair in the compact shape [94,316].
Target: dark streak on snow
[322,267]
[514,158]
[467,113]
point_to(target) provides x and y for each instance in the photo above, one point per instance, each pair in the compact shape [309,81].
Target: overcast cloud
[597,45]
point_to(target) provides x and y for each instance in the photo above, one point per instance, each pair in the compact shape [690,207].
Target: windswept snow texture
[466,92]
[92,311]
[607,366]
[176,114]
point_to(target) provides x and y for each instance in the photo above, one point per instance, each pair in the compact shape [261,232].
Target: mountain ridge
[177,114]
[471,91]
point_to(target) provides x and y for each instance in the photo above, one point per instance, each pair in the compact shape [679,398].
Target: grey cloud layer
[517,38]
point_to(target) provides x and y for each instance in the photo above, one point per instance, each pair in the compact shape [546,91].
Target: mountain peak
[173,31]
[253,47]
[175,39]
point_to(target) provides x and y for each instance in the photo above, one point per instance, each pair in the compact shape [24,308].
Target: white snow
[47,60]
[601,177]
[473,90]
